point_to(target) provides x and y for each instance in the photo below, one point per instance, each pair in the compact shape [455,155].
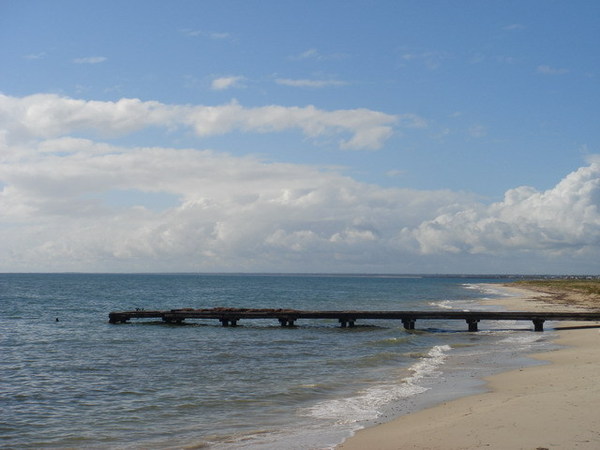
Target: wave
[369,403]
[489,289]
[443,304]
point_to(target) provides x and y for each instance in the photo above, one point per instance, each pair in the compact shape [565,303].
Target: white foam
[460,305]
[489,289]
[444,304]
[520,339]
[369,404]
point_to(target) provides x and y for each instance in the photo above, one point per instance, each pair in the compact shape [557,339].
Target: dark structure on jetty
[288,317]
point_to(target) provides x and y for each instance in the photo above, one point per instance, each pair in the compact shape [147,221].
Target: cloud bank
[72,203]
[49,115]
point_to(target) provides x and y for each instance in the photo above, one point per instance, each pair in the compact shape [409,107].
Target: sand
[550,406]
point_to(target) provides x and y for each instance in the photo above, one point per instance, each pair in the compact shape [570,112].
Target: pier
[289,317]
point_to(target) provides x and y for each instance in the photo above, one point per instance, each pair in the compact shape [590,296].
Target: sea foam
[368,404]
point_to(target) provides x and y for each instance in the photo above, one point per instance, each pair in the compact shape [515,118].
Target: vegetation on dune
[582,292]
[588,287]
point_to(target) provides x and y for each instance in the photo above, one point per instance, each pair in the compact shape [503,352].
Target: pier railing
[288,317]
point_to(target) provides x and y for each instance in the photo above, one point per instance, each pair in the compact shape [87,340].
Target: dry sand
[550,406]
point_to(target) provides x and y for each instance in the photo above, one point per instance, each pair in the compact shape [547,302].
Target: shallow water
[81,381]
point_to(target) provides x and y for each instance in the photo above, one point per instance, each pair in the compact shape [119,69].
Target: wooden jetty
[288,317]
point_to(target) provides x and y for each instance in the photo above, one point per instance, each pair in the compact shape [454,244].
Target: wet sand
[554,405]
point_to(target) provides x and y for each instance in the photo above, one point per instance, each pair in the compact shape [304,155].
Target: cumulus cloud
[222,83]
[242,213]
[229,213]
[564,220]
[49,115]
[71,202]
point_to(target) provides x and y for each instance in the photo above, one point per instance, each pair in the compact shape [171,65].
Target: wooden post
[224,322]
[409,324]
[538,324]
[347,322]
[472,324]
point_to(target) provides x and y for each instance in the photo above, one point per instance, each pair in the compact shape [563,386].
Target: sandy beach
[554,405]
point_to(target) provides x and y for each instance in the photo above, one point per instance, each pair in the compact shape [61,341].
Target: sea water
[68,378]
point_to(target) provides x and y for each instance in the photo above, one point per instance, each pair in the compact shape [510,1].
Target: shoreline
[539,407]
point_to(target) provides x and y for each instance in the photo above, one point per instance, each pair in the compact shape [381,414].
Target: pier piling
[538,324]
[473,324]
[409,324]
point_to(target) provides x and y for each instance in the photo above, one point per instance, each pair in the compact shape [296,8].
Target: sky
[354,136]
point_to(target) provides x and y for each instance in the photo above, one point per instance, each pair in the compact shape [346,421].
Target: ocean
[68,378]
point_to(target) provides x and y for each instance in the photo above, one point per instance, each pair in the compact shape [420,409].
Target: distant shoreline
[490,276]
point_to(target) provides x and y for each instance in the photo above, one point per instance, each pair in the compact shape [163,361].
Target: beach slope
[554,405]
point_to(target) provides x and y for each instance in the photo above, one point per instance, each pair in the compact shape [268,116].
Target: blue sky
[333,136]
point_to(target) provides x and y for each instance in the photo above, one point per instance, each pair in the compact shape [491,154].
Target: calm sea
[68,378]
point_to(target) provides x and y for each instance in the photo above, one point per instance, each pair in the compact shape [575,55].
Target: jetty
[289,317]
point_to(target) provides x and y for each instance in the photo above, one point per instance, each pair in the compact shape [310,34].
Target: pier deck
[288,317]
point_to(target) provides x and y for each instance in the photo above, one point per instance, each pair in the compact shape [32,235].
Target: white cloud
[90,60]
[314,54]
[49,115]
[564,220]
[310,53]
[547,70]
[369,138]
[231,213]
[591,158]
[58,208]
[395,173]
[412,121]
[309,83]
[222,83]
[241,213]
